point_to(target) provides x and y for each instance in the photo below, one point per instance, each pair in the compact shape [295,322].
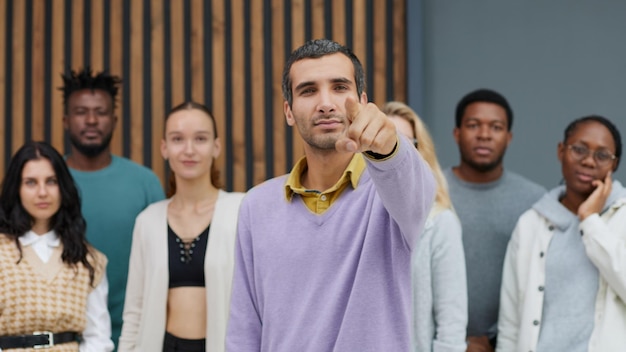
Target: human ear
[163,149]
[288,114]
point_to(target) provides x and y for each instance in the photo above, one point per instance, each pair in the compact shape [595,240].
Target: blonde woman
[438,263]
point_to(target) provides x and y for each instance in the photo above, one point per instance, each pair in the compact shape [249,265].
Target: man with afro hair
[113,189]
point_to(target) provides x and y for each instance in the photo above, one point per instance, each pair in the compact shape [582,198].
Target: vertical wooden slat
[218,71]
[3,16]
[57,66]
[359,39]
[197,52]
[380,81]
[317,17]
[297,39]
[136,81]
[78,41]
[399,50]
[157,88]
[116,59]
[238,94]
[297,23]
[258,89]
[38,73]
[18,85]
[178,52]
[97,35]
[339,23]
[278,63]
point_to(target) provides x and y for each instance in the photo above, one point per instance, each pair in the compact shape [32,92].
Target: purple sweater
[339,281]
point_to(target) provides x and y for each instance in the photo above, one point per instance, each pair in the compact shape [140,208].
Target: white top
[97,333]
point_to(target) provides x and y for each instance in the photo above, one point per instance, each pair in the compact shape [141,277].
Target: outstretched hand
[595,202]
[369,130]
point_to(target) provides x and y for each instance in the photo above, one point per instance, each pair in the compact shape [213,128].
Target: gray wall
[553,60]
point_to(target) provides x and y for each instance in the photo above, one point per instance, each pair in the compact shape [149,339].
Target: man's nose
[484,132]
[326,104]
[91,117]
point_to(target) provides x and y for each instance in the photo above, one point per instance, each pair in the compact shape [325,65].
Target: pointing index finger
[353,108]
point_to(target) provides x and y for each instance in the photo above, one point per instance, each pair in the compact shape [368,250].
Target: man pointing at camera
[323,253]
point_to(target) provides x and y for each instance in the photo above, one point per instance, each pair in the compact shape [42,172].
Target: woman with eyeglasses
[564,278]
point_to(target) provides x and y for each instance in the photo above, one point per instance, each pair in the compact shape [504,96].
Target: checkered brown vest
[34,297]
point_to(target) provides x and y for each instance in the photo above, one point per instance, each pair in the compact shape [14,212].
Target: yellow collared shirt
[319,201]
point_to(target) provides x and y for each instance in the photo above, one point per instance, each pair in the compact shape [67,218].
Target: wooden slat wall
[228,54]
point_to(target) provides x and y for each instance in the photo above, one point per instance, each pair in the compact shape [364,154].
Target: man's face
[483,136]
[89,121]
[320,88]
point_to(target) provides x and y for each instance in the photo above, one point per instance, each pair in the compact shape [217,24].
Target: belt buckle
[50,340]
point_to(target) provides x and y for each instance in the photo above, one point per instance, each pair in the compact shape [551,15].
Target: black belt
[39,339]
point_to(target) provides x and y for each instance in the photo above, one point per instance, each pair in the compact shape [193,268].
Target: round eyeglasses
[602,157]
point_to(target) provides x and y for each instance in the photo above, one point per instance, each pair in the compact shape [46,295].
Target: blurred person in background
[564,277]
[113,189]
[438,263]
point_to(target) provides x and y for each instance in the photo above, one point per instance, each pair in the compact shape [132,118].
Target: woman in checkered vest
[53,286]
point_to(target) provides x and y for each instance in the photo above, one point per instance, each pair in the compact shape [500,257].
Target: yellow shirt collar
[353,172]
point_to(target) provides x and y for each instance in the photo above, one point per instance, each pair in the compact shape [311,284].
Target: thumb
[346,145]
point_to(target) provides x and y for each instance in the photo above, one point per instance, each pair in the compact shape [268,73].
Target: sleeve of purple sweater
[245,334]
[406,186]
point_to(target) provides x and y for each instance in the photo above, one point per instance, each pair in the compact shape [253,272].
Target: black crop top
[186,259]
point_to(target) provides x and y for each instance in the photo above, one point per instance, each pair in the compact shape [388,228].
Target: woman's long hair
[215,173]
[425,146]
[68,222]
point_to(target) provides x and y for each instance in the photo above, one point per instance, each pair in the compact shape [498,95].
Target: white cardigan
[521,304]
[148,277]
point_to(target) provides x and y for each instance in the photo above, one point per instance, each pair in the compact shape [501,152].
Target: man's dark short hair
[86,79]
[314,49]
[485,96]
